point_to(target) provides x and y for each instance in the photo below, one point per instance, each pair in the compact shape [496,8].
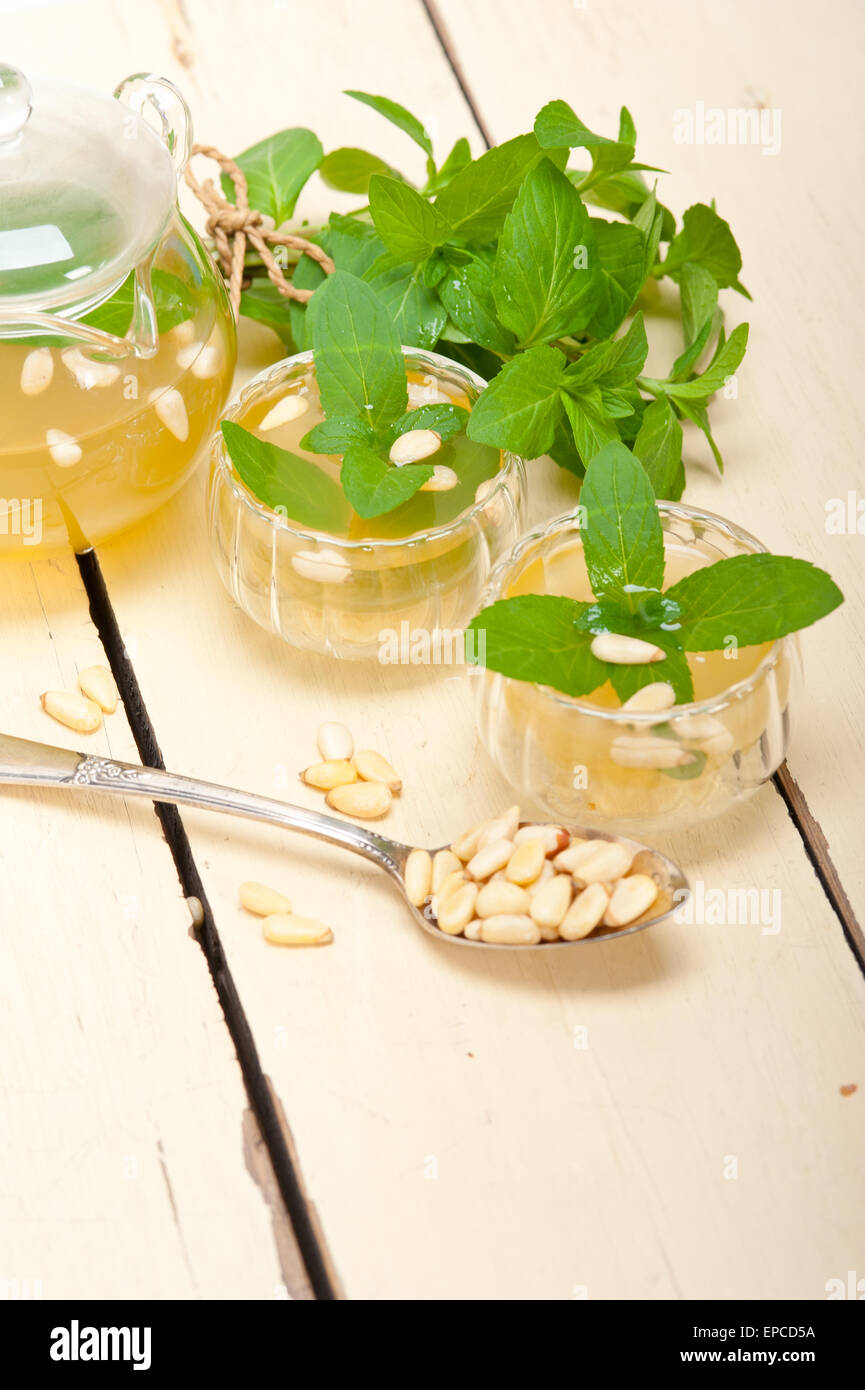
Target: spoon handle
[40,764]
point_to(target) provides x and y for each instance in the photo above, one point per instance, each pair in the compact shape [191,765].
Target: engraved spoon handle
[40,764]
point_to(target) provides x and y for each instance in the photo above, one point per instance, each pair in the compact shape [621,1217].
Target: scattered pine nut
[413,446]
[372,767]
[554,838]
[599,861]
[63,448]
[651,699]
[263,901]
[458,909]
[625,651]
[418,876]
[450,885]
[365,800]
[289,408]
[550,904]
[87,372]
[73,710]
[707,732]
[97,683]
[325,776]
[648,750]
[284,929]
[37,371]
[630,898]
[325,566]
[335,743]
[504,827]
[490,858]
[196,911]
[419,395]
[466,845]
[182,333]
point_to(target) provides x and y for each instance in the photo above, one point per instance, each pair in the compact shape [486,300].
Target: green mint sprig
[547,639]
[497,263]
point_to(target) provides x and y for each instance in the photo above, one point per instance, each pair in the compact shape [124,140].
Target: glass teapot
[117,341]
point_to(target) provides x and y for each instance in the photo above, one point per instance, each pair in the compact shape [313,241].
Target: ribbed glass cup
[557,752]
[347,598]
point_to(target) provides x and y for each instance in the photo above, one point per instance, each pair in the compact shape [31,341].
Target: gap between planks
[805,823]
[264,1104]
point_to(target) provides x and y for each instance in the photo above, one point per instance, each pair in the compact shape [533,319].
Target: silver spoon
[40,764]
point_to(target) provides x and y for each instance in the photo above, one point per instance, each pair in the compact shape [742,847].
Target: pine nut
[547,872]
[284,929]
[413,446]
[37,371]
[707,732]
[187,355]
[73,710]
[625,651]
[443,479]
[600,860]
[335,743]
[444,863]
[365,800]
[88,373]
[170,408]
[490,858]
[473,930]
[504,827]
[419,395]
[570,857]
[483,490]
[652,699]
[637,750]
[554,838]
[325,566]
[182,333]
[510,929]
[466,844]
[550,904]
[208,363]
[63,448]
[97,683]
[325,776]
[496,899]
[450,885]
[372,767]
[584,913]
[263,901]
[289,408]
[458,909]
[526,862]
[418,877]
[630,898]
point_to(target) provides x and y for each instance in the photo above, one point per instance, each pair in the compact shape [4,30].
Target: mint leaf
[622,537]
[698,415]
[706,240]
[276,171]
[686,361]
[617,362]
[698,290]
[308,275]
[279,478]
[658,446]
[589,424]
[467,294]
[459,157]
[522,405]
[558,124]
[724,363]
[172,299]
[446,420]
[649,221]
[410,227]
[755,598]
[336,435]
[373,486]
[359,365]
[479,198]
[398,116]
[417,314]
[349,170]
[625,192]
[354,245]
[536,637]
[622,270]
[545,277]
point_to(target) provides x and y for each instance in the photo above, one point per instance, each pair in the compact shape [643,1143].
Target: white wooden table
[659,1118]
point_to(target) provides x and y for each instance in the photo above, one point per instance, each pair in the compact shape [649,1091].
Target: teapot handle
[147,89]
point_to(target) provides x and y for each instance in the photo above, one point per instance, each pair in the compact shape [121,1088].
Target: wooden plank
[484,1127]
[791,438]
[123,1121]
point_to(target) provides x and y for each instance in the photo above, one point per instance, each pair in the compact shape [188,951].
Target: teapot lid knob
[16,102]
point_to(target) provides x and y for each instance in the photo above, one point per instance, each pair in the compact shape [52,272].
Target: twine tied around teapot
[233,225]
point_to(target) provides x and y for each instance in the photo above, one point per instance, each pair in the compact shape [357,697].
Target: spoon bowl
[40,764]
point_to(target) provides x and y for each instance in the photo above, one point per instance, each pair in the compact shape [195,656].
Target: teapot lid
[86,187]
